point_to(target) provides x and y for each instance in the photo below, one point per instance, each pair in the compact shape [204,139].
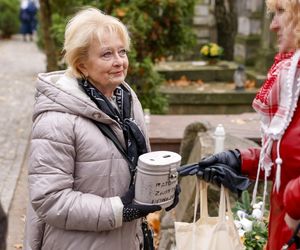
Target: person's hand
[291,223]
[221,174]
[230,158]
[132,211]
[176,198]
[222,168]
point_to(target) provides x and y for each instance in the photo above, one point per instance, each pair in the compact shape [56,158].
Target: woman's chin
[118,80]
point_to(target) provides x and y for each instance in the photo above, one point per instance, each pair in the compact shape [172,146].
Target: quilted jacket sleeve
[292,198]
[51,171]
[250,158]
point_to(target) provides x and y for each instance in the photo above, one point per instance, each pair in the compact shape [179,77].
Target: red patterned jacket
[287,200]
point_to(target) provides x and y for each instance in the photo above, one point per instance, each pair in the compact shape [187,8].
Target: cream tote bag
[208,233]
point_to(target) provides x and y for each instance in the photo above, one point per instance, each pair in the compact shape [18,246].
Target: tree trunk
[226,23]
[266,52]
[45,11]
[3,228]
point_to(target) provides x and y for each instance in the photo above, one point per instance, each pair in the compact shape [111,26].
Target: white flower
[237,224]
[241,232]
[258,205]
[257,214]
[241,214]
[246,224]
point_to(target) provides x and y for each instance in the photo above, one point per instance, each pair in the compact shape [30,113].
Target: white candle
[219,136]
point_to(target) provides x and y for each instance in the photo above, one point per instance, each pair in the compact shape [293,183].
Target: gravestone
[204,24]
[267,51]
[249,31]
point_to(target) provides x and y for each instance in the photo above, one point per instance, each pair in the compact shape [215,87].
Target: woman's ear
[83,69]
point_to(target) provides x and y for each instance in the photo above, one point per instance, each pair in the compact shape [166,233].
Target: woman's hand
[132,211]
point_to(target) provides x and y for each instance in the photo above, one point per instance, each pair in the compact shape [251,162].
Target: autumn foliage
[158,29]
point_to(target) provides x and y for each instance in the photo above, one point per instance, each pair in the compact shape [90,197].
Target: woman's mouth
[118,73]
[279,38]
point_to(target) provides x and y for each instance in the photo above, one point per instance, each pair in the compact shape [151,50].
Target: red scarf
[264,102]
[276,102]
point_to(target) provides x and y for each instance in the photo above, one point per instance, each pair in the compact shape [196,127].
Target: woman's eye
[123,52]
[107,54]
[280,10]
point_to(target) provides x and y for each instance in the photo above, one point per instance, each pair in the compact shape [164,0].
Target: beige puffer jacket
[76,174]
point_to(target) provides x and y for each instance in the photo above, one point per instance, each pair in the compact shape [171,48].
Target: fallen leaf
[18,246]
[182,81]
[250,84]
[120,12]
[154,221]
[199,82]
[238,121]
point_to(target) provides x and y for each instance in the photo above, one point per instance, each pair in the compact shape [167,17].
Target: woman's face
[107,63]
[285,35]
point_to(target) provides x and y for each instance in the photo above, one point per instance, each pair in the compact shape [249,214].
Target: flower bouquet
[211,52]
[252,226]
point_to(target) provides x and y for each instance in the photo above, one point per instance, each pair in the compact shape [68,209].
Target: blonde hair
[87,25]
[292,8]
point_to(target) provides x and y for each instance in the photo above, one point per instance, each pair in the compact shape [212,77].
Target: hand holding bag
[208,233]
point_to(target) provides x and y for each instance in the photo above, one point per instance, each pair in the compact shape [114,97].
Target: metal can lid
[159,159]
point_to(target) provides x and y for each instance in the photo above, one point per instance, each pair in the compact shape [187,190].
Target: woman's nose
[274,26]
[117,59]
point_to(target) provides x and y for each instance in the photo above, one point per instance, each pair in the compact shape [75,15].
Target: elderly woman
[278,105]
[78,179]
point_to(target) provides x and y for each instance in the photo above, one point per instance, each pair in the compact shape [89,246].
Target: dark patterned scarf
[134,138]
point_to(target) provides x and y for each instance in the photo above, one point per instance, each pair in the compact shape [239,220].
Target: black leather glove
[176,198]
[222,168]
[230,158]
[220,174]
[132,211]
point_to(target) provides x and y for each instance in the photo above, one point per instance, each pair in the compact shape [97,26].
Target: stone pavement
[19,64]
